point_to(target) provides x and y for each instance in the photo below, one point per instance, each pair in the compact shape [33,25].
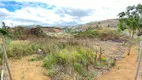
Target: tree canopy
[131,19]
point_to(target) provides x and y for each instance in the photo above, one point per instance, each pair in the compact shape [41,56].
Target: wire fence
[138,75]
[5,69]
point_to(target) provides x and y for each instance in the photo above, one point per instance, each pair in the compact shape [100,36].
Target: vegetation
[20,32]
[70,58]
[100,33]
[63,59]
[131,20]
[73,61]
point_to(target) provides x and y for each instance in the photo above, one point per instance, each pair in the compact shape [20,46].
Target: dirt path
[24,69]
[124,70]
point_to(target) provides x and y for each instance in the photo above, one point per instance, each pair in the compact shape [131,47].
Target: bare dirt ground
[24,69]
[125,69]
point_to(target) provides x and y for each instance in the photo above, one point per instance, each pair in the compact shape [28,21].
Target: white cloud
[4,12]
[36,15]
[12,23]
[85,4]
[67,11]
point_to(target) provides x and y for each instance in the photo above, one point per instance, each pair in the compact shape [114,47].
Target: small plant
[91,75]
[79,68]
[51,72]
[49,61]
[104,59]
[112,62]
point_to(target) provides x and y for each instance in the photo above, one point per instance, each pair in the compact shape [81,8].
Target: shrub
[74,57]
[49,61]
[18,49]
[109,34]
[101,33]
[62,57]
[88,34]
[79,68]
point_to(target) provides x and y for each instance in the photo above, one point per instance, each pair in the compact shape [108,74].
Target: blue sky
[60,12]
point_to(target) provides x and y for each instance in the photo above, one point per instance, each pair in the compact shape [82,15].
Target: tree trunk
[130,43]
[129,48]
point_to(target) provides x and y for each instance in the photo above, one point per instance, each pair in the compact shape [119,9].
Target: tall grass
[63,58]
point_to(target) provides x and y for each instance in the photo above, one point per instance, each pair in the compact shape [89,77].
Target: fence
[5,65]
[138,75]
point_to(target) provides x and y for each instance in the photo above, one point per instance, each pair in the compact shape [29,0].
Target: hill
[112,23]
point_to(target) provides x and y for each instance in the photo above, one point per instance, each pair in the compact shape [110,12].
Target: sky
[60,12]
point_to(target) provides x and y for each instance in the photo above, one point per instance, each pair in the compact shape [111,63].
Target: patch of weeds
[100,64]
[51,72]
[112,62]
[103,59]
[92,74]
[79,68]
[62,57]
[49,61]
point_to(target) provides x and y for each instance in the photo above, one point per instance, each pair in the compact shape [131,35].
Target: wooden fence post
[2,74]
[138,52]
[6,61]
[139,61]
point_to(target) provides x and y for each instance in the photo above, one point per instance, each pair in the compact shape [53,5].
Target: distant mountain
[112,23]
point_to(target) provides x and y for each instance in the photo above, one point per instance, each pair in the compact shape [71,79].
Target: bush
[87,34]
[23,33]
[109,34]
[102,34]
[18,49]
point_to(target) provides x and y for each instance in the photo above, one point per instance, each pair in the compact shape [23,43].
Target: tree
[139,12]
[130,20]
[3,25]
[3,30]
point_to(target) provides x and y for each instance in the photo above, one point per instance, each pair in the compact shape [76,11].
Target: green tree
[3,25]
[130,20]
[3,30]
[139,12]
